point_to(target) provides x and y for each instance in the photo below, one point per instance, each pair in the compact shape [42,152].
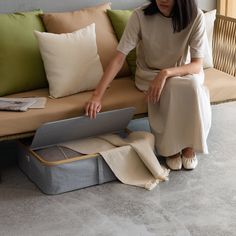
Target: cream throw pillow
[209,21]
[71,61]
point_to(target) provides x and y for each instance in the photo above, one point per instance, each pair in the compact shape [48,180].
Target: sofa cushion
[71,61]
[119,19]
[222,86]
[56,109]
[67,22]
[21,66]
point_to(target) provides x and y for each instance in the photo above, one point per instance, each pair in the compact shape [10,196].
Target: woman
[178,104]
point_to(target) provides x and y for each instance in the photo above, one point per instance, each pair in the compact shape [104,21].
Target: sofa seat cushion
[56,109]
[222,86]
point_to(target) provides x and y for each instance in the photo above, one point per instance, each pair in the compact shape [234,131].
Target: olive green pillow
[119,19]
[21,66]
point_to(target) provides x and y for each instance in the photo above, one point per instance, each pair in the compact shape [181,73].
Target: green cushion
[21,66]
[119,19]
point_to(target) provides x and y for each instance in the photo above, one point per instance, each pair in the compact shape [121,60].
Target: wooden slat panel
[224,44]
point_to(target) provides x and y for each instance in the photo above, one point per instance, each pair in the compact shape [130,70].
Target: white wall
[207,4]
[64,5]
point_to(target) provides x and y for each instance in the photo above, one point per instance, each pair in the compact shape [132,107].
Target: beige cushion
[71,106]
[67,22]
[222,86]
[71,61]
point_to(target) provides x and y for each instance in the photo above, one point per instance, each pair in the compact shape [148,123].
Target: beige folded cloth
[132,159]
[88,145]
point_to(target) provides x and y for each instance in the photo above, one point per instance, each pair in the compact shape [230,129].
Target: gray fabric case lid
[55,132]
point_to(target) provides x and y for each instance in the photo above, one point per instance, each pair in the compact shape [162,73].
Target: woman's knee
[190,83]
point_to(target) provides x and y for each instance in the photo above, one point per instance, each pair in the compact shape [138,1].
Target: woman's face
[165,6]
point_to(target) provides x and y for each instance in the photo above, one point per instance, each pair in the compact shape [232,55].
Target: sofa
[122,92]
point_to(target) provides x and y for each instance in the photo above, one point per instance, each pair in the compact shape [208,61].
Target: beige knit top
[157,46]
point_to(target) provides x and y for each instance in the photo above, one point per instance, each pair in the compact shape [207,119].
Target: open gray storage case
[55,169]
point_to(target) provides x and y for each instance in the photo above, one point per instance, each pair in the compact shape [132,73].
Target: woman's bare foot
[188,152]
[189,158]
[174,162]
[175,155]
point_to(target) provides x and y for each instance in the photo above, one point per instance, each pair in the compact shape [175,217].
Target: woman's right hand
[93,106]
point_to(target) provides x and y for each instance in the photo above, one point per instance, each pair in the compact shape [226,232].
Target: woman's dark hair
[183,12]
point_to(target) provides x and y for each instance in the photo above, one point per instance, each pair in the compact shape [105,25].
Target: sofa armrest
[224,44]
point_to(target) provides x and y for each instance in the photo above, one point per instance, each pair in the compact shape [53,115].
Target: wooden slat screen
[224,44]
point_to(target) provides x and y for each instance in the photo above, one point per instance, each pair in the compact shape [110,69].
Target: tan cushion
[67,22]
[71,106]
[222,86]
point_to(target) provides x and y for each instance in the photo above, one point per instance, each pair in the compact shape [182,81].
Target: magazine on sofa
[21,104]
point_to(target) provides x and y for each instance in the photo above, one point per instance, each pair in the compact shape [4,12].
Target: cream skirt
[182,117]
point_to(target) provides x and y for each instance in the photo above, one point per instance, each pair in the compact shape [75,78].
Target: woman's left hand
[155,88]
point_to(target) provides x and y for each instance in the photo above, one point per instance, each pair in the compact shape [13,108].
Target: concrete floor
[200,202]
